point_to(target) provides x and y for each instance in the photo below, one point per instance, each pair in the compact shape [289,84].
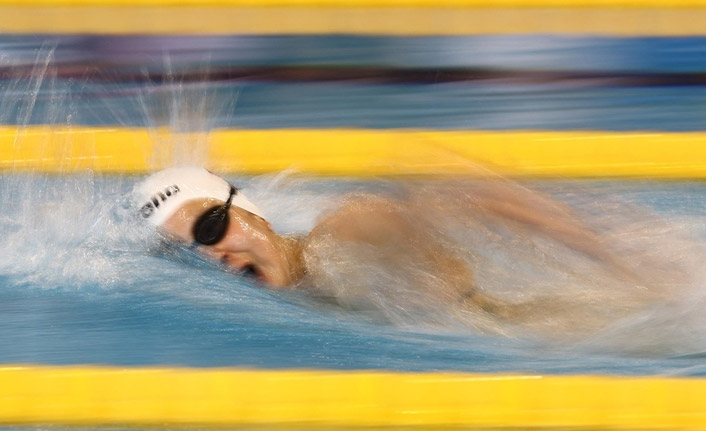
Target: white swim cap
[162,193]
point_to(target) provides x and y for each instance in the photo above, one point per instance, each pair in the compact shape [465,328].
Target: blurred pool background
[71,297]
[77,287]
[493,82]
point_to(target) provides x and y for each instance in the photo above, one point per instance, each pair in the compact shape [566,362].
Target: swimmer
[397,233]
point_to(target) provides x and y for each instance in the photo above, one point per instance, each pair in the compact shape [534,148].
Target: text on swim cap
[156,199]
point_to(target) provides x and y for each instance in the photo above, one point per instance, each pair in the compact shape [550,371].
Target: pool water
[79,283]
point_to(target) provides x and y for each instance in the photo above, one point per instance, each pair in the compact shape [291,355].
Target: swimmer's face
[249,244]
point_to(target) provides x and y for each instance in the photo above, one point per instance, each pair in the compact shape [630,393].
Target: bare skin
[391,228]
[401,240]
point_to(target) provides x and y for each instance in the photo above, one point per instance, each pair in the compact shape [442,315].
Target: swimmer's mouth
[251,272]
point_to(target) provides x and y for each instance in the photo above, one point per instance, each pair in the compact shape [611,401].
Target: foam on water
[71,243]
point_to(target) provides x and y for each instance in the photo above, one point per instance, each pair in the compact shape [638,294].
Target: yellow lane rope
[365,17]
[295,399]
[372,3]
[359,152]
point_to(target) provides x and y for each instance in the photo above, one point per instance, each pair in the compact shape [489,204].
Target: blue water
[79,284]
[131,53]
[444,106]
[92,80]
[377,106]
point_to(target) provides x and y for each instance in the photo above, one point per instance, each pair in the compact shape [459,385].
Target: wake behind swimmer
[492,255]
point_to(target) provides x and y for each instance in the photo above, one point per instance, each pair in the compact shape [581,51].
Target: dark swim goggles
[211,227]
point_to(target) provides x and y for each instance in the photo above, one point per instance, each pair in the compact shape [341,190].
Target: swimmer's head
[196,206]
[163,193]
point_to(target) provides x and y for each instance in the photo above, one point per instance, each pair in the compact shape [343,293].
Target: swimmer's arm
[549,217]
[520,205]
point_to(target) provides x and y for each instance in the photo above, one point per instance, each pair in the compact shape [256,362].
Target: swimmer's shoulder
[365,218]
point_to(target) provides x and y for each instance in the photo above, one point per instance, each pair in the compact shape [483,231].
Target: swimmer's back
[402,239]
